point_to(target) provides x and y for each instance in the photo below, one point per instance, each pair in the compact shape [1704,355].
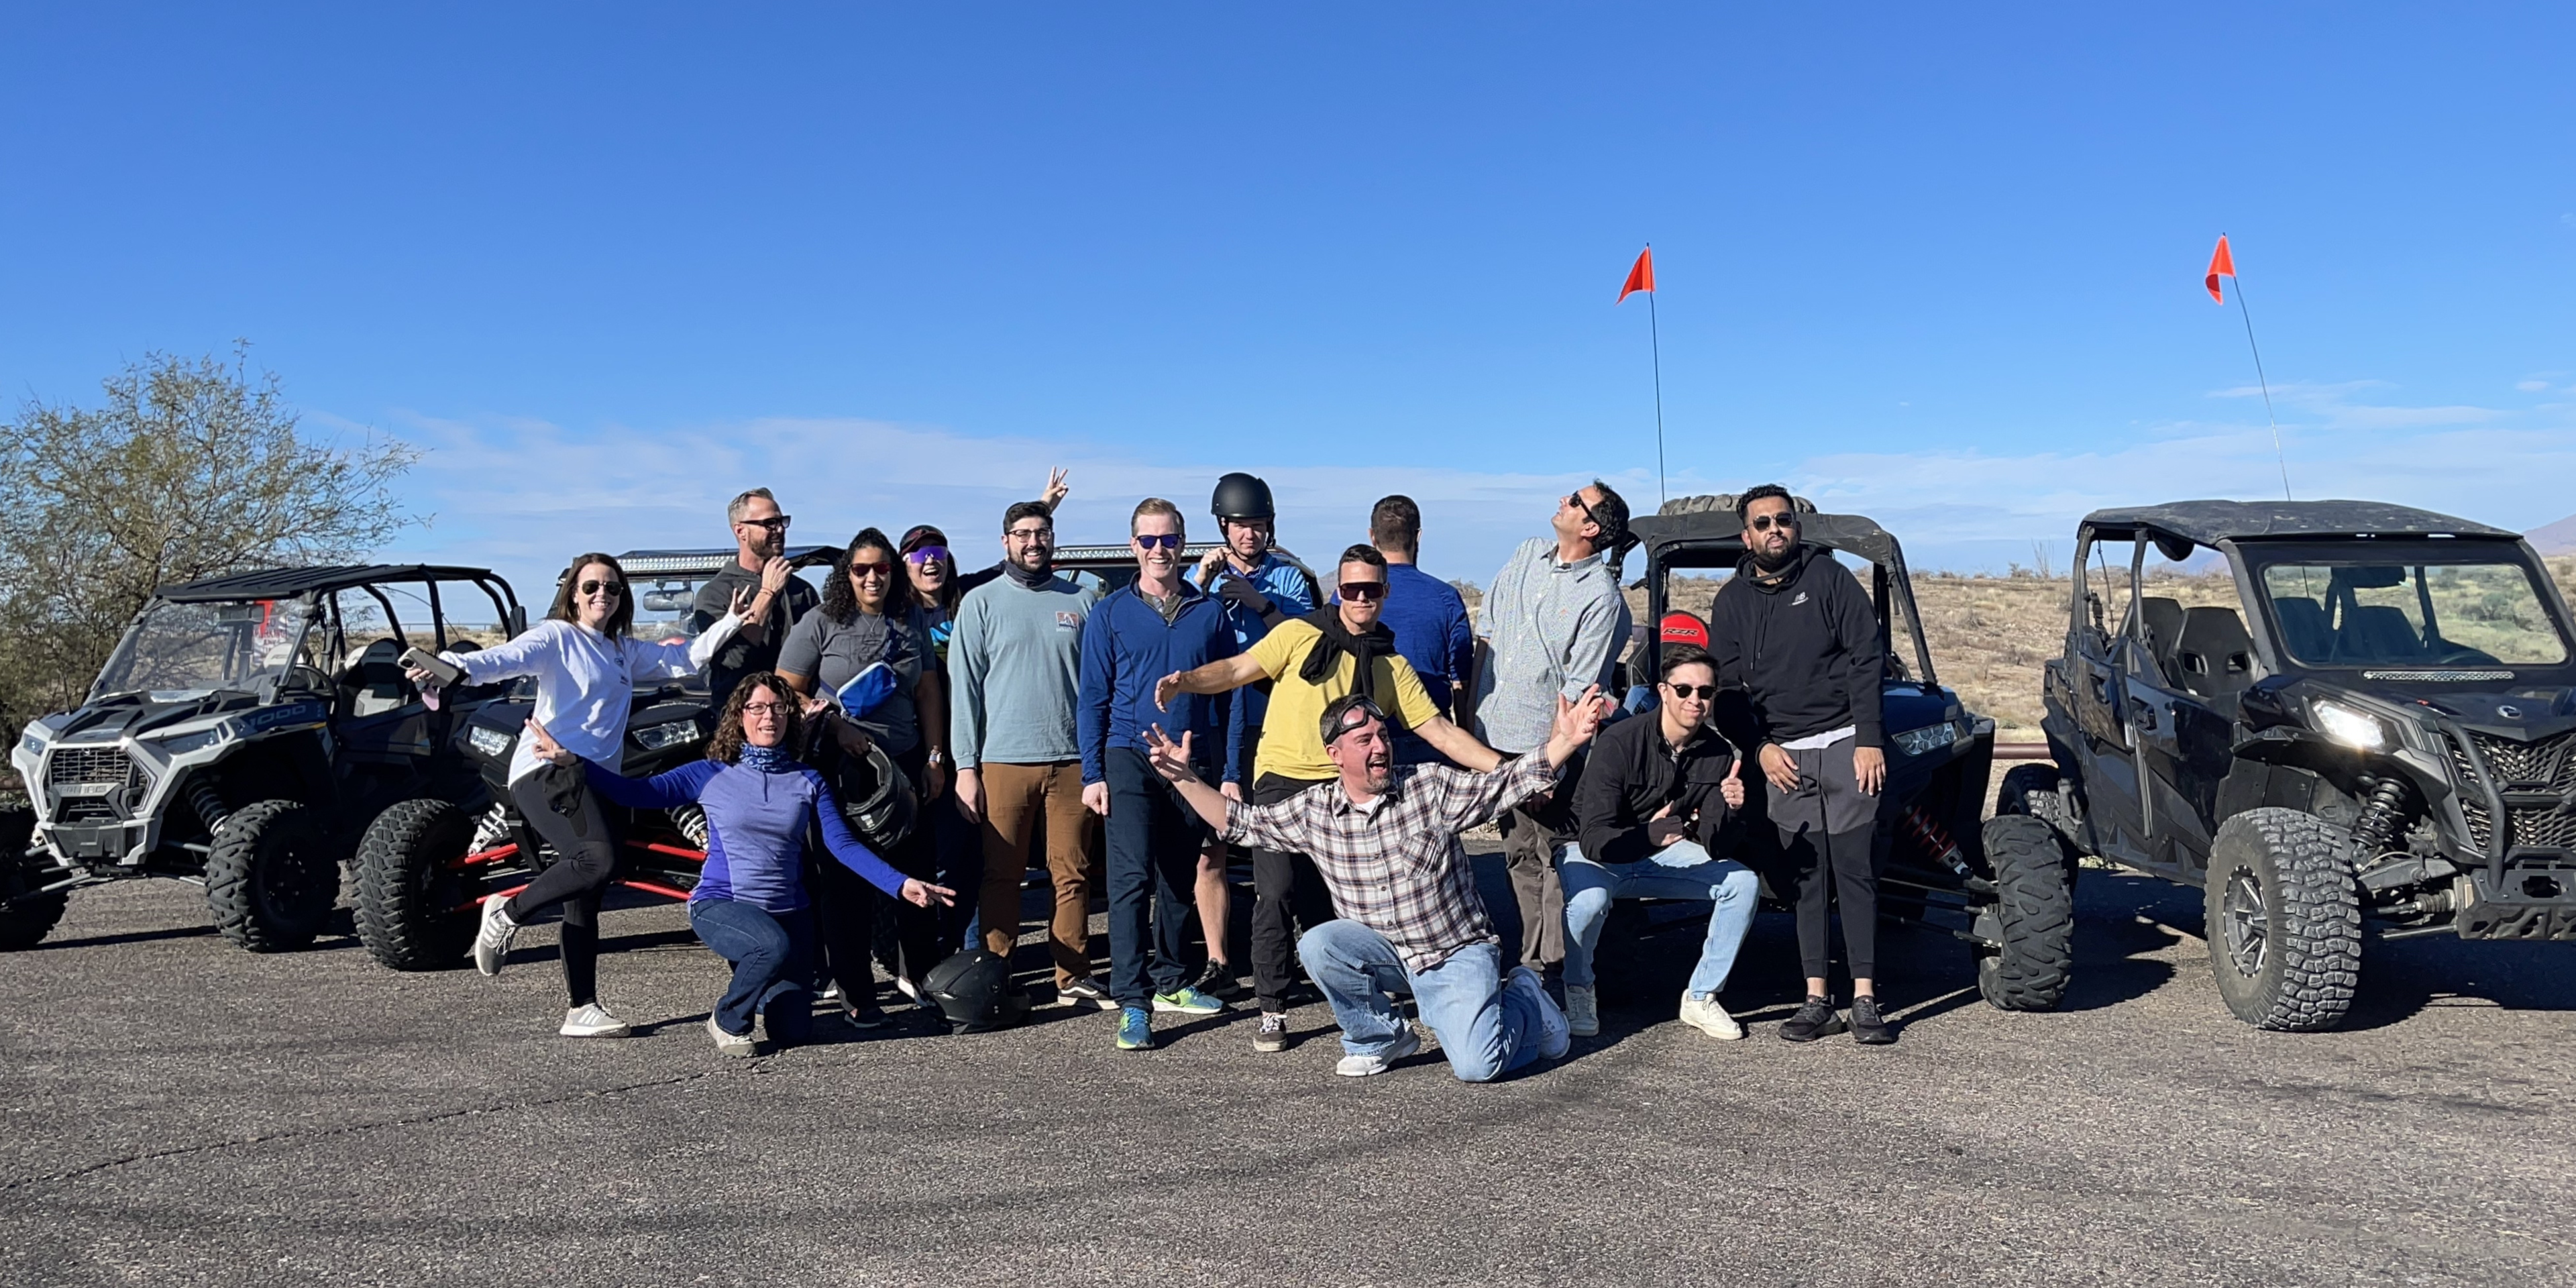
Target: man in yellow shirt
[1310,661]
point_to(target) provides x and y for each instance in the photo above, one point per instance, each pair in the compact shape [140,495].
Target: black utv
[2358,723]
[243,734]
[2003,886]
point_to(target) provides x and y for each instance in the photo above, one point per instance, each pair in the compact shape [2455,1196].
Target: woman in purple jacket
[750,905]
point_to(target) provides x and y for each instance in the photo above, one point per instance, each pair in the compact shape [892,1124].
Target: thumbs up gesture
[1733,788]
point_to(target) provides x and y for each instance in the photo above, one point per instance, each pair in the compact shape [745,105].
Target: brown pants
[1020,800]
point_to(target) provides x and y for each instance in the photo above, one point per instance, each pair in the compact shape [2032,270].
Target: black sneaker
[1867,1027]
[1272,1036]
[1218,980]
[1814,1020]
[1085,991]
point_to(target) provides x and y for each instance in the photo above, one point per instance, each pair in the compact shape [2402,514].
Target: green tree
[190,468]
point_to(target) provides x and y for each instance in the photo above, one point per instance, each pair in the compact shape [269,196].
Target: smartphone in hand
[444,673]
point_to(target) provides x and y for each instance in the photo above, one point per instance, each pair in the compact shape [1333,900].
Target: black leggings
[558,803]
[850,909]
[1854,885]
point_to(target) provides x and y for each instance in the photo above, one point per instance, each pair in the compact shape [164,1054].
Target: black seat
[2162,618]
[2377,633]
[2214,656]
[2304,627]
[373,682]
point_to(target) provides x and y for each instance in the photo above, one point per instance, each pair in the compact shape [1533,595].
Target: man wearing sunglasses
[1796,632]
[1138,634]
[760,539]
[1330,653]
[1657,812]
[1385,838]
[1557,623]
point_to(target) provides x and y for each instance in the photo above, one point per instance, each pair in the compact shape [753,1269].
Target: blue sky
[607,264]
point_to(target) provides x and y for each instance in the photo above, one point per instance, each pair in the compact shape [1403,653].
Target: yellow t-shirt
[1292,743]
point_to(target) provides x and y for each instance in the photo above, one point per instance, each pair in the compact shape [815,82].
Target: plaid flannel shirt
[1395,864]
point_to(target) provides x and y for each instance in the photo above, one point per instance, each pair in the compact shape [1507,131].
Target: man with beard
[1386,841]
[1335,650]
[1795,631]
[760,539]
[1016,655]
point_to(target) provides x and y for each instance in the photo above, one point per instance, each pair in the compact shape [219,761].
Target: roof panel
[282,583]
[2210,522]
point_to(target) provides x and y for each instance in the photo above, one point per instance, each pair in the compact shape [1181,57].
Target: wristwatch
[936,757]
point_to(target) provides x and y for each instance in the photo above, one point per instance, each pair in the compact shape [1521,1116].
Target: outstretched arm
[1219,676]
[853,854]
[1459,745]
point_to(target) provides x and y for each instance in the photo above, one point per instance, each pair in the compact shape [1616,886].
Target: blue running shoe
[1135,1029]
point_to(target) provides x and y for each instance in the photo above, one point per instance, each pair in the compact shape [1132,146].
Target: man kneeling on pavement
[1385,839]
[1656,812]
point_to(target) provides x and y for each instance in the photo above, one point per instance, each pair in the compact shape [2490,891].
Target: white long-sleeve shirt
[586,680]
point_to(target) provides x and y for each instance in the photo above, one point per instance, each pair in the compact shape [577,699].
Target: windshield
[2410,612]
[187,650]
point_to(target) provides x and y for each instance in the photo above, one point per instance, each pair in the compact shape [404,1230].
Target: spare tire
[25,918]
[2034,917]
[415,912]
[271,878]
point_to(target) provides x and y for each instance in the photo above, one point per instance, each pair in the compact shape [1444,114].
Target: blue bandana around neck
[768,760]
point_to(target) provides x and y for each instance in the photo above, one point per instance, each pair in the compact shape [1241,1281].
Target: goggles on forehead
[1354,716]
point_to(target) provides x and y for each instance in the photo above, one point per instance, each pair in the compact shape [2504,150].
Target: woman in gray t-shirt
[868,616]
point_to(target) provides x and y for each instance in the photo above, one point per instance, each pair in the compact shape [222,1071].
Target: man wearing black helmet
[1261,586]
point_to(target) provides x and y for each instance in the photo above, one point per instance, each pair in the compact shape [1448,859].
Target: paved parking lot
[181,1112]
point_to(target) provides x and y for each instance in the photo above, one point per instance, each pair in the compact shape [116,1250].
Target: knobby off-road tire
[2035,910]
[408,896]
[2033,790]
[2284,920]
[271,880]
[24,922]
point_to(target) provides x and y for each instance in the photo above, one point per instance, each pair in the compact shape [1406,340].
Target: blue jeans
[1485,1029]
[773,965]
[1681,870]
[1153,868]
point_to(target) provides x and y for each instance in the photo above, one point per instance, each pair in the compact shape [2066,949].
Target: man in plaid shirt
[1385,839]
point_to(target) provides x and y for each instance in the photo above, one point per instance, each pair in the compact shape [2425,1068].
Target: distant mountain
[2557,539]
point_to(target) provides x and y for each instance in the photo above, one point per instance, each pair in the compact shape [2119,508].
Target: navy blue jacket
[1126,647]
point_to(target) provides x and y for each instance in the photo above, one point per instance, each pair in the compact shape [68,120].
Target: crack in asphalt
[351,1129]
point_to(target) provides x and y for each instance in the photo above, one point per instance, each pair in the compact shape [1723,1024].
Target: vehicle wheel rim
[2248,926]
[294,880]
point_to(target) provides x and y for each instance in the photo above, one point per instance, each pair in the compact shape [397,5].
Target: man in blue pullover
[1136,635]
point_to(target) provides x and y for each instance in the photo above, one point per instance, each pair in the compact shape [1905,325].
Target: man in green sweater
[1016,657]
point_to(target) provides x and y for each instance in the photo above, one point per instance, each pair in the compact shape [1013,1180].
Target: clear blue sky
[610,263]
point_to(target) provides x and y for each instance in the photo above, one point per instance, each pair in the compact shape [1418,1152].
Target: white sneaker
[1554,1038]
[1582,1011]
[1704,1014]
[492,941]
[1362,1066]
[592,1021]
[727,1043]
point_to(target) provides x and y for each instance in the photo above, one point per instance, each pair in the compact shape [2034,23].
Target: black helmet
[877,799]
[974,990]
[1241,496]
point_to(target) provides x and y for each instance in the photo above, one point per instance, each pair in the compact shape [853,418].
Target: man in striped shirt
[1385,838]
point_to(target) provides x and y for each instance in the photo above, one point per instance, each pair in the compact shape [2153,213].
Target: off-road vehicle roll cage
[2384,746]
[242,734]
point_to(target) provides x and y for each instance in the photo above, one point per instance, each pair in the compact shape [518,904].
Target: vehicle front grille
[2545,766]
[71,765]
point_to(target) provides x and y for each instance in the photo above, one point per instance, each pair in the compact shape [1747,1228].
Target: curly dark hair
[619,618]
[726,746]
[1763,492]
[841,603]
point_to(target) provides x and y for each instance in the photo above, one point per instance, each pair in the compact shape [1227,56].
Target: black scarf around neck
[1327,654]
[1033,580]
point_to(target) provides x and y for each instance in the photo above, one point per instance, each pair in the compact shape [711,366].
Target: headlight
[2355,729]
[29,743]
[669,734]
[1929,738]
[492,743]
[188,742]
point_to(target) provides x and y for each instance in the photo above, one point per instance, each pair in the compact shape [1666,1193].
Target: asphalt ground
[180,1112]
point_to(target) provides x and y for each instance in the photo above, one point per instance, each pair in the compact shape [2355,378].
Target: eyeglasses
[1030,534]
[1166,540]
[927,553]
[1363,590]
[612,589]
[858,570]
[770,709]
[1688,692]
[775,522]
[1766,522]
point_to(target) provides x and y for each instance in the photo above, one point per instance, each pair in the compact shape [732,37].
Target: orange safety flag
[2221,264]
[1641,277]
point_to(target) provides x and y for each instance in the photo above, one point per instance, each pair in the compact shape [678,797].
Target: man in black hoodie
[1796,632]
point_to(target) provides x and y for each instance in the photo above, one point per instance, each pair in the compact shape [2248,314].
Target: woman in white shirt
[586,667]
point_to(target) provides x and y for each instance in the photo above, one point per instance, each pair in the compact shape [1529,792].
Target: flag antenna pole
[2261,382]
[1655,337]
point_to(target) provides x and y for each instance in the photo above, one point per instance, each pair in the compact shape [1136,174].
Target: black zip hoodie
[1804,648]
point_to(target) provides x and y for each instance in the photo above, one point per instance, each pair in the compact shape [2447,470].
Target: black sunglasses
[1767,522]
[775,523]
[1363,590]
[1703,692]
[1576,500]
[612,589]
[1167,540]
